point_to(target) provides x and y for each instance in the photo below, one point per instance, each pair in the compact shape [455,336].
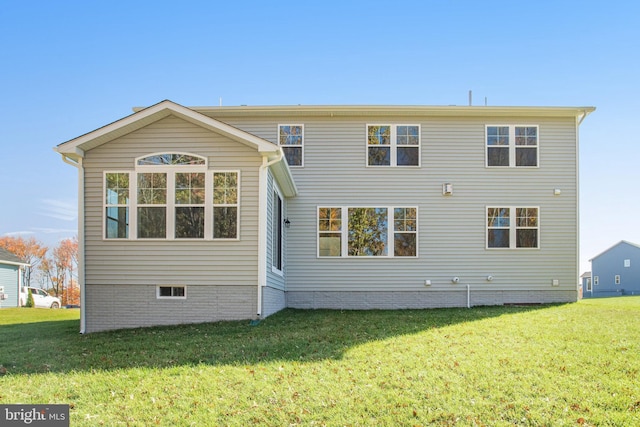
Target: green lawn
[574,364]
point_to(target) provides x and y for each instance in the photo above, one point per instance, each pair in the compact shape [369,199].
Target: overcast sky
[69,67]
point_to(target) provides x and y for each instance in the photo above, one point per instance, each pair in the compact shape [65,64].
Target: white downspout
[81,278]
[262,224]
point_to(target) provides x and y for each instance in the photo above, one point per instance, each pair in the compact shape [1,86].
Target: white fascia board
[394,110]
[17,264]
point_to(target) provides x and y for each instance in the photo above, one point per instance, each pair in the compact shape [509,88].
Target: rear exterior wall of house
[452,230]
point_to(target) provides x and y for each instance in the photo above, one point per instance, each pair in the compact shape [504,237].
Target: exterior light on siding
[489,278]
[557,192]
[287,223]
[447,189]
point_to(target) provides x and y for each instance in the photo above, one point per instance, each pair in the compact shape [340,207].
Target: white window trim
[589,285]
[301,165]
[512,228]
[105,205]
[171,297]
[274,269]
[512,146]
[596,280]
[208,222]
[393,159]
[170,205]
[627,263]
[344,232]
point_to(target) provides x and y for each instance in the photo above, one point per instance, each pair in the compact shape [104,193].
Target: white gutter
[81,278]
[262,224]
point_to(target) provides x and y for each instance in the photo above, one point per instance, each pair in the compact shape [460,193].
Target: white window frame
[301,145]
[596,280]
[589,286]
[627,263]
[393,145]
[512,146]
[275,226]
[512,227]
[220,205]
[170,205]
[106,205]
[344,231]
[172,297]
[616,279]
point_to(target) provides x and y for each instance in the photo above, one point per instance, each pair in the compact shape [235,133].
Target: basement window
[172,292]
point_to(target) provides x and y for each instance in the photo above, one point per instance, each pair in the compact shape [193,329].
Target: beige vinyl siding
[452,229]
[192,263]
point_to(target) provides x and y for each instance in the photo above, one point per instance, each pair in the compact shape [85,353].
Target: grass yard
[574,364]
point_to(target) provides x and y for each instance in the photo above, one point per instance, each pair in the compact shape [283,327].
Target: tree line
[53,269]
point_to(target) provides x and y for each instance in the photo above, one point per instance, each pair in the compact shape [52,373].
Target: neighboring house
[194,215]
[11,275]
[615,271]
[585,284]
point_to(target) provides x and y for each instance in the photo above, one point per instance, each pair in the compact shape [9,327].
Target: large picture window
[171,196]
[393,145]
[291,139]
[512,146]
[513,227]
[367,231]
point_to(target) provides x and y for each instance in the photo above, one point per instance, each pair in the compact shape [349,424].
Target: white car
[40,298]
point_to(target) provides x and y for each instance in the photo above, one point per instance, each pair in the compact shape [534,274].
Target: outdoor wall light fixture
[287,223]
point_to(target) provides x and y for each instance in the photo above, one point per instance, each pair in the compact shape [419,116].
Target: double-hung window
[291,139]
[367,231]
[512,145]
[393,145]
[171,196]
[225,205]
[513,227]
[116,205]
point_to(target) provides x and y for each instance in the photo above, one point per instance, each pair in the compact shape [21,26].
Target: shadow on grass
[290,335]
